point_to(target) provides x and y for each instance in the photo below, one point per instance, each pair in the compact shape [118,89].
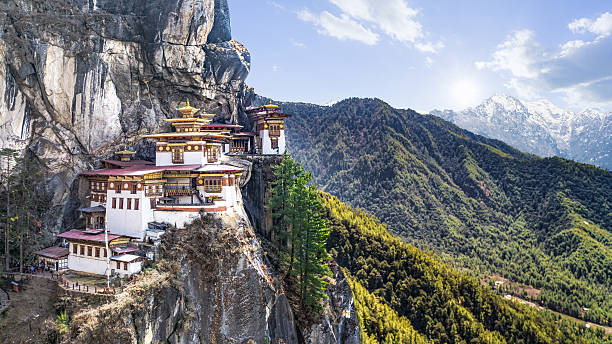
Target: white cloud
[275,68]
[429,47]
[601,26]
[518,55]
[297,44]
[343,27]
[276,5]
[579,70]
[393,18]
[429,61]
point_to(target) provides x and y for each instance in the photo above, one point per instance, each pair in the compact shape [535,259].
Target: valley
[476,202]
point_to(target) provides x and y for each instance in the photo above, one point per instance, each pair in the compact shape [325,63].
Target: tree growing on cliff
[301,231]
[278,204]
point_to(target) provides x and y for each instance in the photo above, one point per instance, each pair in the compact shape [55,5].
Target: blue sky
[428,54]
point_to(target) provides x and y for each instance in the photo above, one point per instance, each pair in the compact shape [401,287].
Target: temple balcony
[179,189]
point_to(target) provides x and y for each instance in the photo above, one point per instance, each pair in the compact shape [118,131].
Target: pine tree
[314,254]
[300,229]
[278,204]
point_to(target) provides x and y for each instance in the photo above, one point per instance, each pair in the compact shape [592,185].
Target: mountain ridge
[540,127]
[477,202]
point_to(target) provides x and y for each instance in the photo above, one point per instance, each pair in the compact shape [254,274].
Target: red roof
[138,170]
[221,125]
[53,252]
[119,163]
[78,234]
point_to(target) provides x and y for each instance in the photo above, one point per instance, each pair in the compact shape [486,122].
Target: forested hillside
[478,203]
[406,295]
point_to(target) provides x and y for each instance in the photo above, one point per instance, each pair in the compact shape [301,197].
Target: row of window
[118,203]
[212,154]
[97,252]
[132,189]
[274,129]
[89,251]
[97,186]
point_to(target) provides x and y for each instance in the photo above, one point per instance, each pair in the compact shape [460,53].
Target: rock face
[218,288]
[540,128]
[79,78]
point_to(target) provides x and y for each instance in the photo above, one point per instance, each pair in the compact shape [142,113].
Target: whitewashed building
[269,124]
[192,173]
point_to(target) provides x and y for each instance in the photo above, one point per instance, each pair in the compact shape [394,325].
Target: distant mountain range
[477,202]
[540,128]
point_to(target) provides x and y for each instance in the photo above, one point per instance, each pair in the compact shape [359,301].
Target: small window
[120,203]
[274,129]
[118,265]
[114,203]
[125,266]
[129,203]
[136,203]
[89,251]
[74,248]
[274,143]
[177,155]
[212,185]
[134,188]
[82,250]
[97,252]
[118,187]
[153,203]
[104,250]
[212,153]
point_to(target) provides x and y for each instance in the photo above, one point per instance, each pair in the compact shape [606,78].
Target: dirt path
[29,310]
[607,329]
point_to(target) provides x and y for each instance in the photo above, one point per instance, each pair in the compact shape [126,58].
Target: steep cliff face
[214,286]
[78,78]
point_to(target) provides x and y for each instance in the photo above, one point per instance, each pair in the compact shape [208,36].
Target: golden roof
[189,134]
[270,105]
[187,109]
[124,152]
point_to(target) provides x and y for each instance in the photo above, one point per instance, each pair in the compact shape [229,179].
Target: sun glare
[464,93]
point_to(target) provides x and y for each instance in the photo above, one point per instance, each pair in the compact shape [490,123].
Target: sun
[464,93]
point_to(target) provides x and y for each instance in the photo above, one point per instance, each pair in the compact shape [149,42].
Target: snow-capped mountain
[540,127]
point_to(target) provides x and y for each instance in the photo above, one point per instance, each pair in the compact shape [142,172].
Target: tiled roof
[96,209]
[138,170]
[119,163]
[219,168]
[221,125]
[124,249]
[128,258]
[53,252]
[78,234]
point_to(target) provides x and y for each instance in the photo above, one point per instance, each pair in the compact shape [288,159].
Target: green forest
[479,204]
[406,295]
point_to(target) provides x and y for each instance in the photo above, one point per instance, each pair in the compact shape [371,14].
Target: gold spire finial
[187,110]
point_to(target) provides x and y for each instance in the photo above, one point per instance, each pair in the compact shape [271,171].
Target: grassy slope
[476,202]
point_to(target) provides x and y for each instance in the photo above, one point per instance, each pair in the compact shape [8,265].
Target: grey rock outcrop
[222,291]
[78,78]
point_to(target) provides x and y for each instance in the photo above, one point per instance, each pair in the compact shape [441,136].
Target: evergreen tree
[278,204]
[299,229]
[314,255]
